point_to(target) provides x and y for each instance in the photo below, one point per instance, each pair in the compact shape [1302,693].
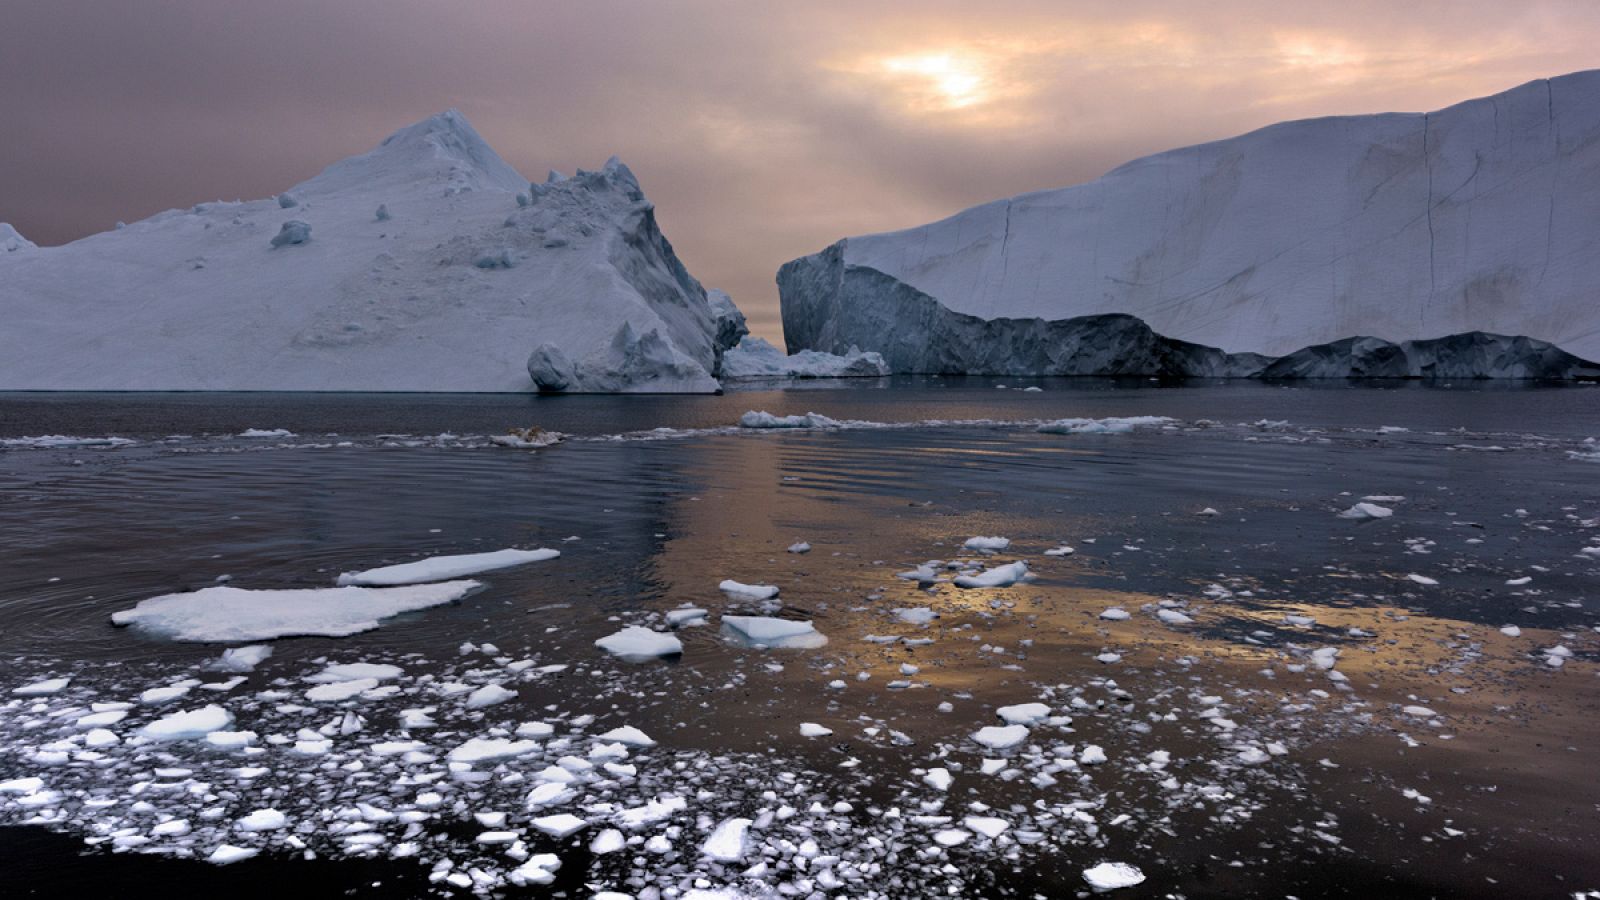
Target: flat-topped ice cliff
[1483,217]
[427,264]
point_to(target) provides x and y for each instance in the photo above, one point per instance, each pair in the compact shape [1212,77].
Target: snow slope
[430,265]
[12,241]
[1481,217]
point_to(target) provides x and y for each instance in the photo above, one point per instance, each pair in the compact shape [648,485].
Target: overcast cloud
[762,131]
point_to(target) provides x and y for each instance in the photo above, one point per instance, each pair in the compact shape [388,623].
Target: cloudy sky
[763,131]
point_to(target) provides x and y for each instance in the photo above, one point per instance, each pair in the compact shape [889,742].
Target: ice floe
[445,568]
[227,614]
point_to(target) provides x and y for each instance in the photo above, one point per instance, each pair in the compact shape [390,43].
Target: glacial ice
[764,631]
[757,358]
[1258,246]
[325,295]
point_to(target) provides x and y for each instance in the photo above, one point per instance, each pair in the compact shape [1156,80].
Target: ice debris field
[945,720]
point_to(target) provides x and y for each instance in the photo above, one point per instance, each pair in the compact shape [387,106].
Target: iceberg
[758,358]
[1466,238]
[469,278]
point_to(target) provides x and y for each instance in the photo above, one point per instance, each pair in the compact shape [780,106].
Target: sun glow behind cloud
[944,80]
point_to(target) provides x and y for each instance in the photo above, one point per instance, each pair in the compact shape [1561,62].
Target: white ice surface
[236,614]
[445,568]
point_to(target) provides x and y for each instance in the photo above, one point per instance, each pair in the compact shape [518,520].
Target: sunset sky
[762,131]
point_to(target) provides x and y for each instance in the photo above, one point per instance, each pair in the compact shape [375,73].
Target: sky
[762,131]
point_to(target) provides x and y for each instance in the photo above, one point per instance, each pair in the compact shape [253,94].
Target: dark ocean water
[1496,483]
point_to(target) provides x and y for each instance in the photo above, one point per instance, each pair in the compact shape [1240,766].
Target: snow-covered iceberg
[427,264]
[757,358]
[1210,260]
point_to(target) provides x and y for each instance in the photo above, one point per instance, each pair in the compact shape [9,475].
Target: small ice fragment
[42,688]
[728,841]
[687,616]
[263,820]
[769,632]
[1024,713]
[1511,631]
[999,576]
[812,729]
[445,568]
[628,735]
[800,547]
[636,643]
[1173,617]
[1366,511]
[1001,737]
[748,591]
[1109,876]
[1115,614]
[194,723]
[991,544]
[558,826]
[228,853]
[939,779]
[489,695]
[1422,579]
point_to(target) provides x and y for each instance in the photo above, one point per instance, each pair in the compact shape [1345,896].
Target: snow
[194,723]
[1112,875]
[756,358]
[1262,242]
[636,642]
[237,614]
[240,296]
[999,576]
[12,241]
[762,631]
[445,568]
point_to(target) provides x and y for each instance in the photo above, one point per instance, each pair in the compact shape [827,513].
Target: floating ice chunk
[1111,425]
[812,729]
[31,785]
[158,695]
[489,695]
[560,825]
[538,869]
[62,441]
[1108,876]
[800,547]
[951,837]
[445,568]
[916,615]
[728,842]
[242,659]
[43,688]
[266,433]
[479,750]
[609,841]
[748,591]
[1208,511]
[263,820]
[1108,657]
[237,614]
[340,690]
[194,723]
[999,576]
[535,730]
[987,826]
[101,719]
[764,631]
[1325,657]
[1252,756]
[1173,617]
[1062,550]
[1092,755]
[764,419]
[1519,582]
[990,544]
[637,642]
[1511,631]
[628,736]
[687,616]
[1116,614]
[1421,712]
[1001,737]
[354,671]
[926,574]
[939,779]
[1364,511]
[228,853]
[1421,579]
[1024,713]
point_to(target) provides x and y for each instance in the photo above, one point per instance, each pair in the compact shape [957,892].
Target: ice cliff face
[1483,217]
[427,264]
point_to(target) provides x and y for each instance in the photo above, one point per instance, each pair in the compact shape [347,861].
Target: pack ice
[427,264]
[1456,243]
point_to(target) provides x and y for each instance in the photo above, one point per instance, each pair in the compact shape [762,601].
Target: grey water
[1497,481]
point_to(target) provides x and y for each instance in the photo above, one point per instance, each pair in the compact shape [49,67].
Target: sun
[948,81]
